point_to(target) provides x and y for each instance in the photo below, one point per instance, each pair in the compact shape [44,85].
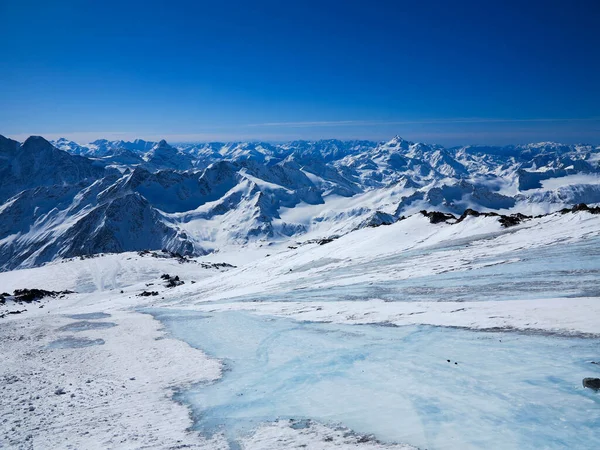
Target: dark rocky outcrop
[437,216]
[581,207]
[471,212]
[164,253]
[322,241]
[505,220]
[30,295]
[217,265]
[377,219]
[512,220]
[172,281]
[592,383]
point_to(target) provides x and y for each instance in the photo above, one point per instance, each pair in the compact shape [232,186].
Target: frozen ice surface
[90,316]
[85,325]
[559,270]
[498,390]
[73,342]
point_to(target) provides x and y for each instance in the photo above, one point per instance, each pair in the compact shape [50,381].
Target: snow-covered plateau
[321,295]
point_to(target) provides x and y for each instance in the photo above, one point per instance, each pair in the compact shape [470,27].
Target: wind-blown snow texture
[64,199]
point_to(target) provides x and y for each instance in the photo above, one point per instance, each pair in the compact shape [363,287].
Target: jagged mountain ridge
[197,198]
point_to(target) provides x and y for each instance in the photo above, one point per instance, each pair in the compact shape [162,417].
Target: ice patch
[73,342]
[85,326]
[432,387]
[89,316]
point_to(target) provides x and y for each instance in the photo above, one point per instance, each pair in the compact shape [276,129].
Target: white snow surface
[538,277]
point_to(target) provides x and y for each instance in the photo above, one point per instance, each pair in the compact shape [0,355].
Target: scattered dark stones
[10,379]
[164,253]
[363,439]
[322,241]
[300,424]
[592,383]
[147,293]
[217,266]
[172,281]
[91,256]
[325,241]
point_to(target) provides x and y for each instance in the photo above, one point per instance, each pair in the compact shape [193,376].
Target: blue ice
[90,316]
[84,325]
[508,390]
[73,342]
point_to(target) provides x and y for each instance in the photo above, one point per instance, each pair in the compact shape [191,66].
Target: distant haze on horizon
[450,73]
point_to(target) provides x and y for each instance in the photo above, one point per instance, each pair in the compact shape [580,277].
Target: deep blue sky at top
[439,71]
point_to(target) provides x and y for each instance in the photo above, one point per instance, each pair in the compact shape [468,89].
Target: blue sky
[449,72]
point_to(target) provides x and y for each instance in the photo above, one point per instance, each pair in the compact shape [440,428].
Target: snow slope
[322,345]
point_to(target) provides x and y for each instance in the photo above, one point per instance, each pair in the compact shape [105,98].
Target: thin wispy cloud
[330,123]
[450,131]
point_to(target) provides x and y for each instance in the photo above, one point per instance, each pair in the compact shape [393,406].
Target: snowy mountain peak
[7,146]
[33,143]
[399,142]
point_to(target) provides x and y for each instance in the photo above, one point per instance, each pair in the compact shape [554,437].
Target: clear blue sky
[448,72]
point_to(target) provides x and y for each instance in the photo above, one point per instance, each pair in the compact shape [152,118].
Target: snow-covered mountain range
[62,199]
